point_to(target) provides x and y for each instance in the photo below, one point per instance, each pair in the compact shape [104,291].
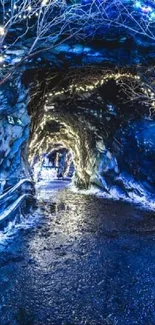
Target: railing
[20,195]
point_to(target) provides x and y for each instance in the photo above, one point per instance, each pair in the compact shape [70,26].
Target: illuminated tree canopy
[37,25]
[30,27]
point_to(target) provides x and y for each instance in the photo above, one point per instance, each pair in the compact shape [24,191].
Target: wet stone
[94,267]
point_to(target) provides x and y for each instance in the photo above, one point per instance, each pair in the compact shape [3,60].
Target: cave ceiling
[95,102]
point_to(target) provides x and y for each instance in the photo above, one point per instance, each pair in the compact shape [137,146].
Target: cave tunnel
[53,165]
[92,115]
[77,162]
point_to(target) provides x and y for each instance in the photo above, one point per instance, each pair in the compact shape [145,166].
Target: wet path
[87,261]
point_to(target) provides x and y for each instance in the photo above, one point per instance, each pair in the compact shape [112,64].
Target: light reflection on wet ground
[88,261]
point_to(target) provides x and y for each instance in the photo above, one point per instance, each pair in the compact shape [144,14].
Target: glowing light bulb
[2,31]
[138,4]
[152,16]
[29,8]
[44,2]
[1,59]
[147,9]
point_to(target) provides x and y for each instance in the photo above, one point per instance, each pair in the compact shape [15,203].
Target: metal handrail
[8,213]
[5,216]
[5,197]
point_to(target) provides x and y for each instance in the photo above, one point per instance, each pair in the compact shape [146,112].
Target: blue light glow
[147,9]
[138,4]
[152,16]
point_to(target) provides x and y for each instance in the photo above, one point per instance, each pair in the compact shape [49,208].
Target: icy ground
[83,260]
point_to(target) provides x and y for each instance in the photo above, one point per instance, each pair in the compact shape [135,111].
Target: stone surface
[83,260]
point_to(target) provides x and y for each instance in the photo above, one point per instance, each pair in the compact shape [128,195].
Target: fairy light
[147,9]
[2,31]
[44,2]
[137,4]
[88,88]
[100,82]
[29,8]
[1,59]
[152,16]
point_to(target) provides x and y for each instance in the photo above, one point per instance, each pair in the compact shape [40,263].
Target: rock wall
[14,132]
[128,170]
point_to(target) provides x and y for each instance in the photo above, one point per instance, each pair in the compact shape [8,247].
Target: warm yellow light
[44,2]
[2,31]
[1,59]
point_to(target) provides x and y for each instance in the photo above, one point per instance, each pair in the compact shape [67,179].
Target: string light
[144,8]
[29,8]
[147,9]
[2,31]
[44,2]
[1,59]
[91,87]
[146,92]
[137,4]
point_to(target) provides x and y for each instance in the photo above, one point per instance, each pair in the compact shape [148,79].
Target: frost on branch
[37,25]
[29,27]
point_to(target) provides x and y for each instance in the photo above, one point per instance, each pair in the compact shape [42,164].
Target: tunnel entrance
[97,117]
[57,164]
